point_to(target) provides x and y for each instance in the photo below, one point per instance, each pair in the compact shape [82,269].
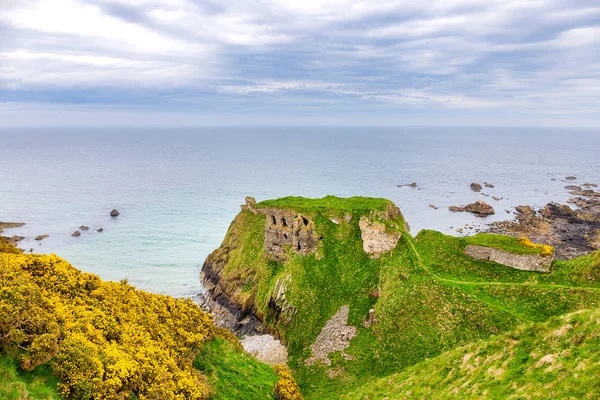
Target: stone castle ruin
[285,228]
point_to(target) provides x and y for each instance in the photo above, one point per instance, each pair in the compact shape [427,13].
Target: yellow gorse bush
[286,387]
[103,340]
[545,250]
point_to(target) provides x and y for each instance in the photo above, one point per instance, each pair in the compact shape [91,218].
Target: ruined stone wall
[285,228]
[288,228]
[524,262]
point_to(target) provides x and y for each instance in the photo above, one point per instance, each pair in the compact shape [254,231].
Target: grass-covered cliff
[68,334]
[406,303]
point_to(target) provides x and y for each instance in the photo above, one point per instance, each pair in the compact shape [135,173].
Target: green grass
[19,385]
[234,374]
[557,359]
[354,205]
[507,243]
[432,296]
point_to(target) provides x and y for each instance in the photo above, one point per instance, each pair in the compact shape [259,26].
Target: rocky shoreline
[573,229]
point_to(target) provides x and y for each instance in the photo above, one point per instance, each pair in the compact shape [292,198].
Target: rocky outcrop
[413,185]
[479,208]
[476,187]
[524,262]
[376,240]
[84,227]
[280,308]
[114,213]
[226,312]
[569,229]
[41,237]
[8,225]
[335,336]
[76,234]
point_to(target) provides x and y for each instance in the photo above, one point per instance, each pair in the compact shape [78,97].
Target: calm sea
[178,190]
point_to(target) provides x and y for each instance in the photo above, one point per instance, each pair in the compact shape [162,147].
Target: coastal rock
[523,262]
[84,227]
[585,192]
[488,185]
[480,208]
[376,240]
[476,187]
[496,198]
[114,213]
[589,185]
[100,230]
[17,238]
[567,229]
[433,206]
[571,178]
[41,237]
[414,185]
[525,210]
[573,187]
[76,234]
[8,225]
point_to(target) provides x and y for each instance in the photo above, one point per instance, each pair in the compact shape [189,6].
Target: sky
[300,62]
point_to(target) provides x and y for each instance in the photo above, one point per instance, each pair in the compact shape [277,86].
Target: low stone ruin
[523,262]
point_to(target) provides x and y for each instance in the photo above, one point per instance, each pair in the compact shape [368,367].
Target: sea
[177,190]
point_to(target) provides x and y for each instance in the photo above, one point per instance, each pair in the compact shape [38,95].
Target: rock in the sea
[479,208]
[17,238]
[476,187]
[114,213]
[589,185]
[433,206]
[496,198]
[525,210]
[99,229]
[84,227]
[488,185]
[573,187]
[41,237]
[571,178]
[414,185]
[76,233]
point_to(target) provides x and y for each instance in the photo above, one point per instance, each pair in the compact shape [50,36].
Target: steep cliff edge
[354,296]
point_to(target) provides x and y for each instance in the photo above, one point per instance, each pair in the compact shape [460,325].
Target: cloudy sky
[311,62]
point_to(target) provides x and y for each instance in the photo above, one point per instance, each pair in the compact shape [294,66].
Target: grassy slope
[557,359]
[432,297]
[16,385]
[233,374]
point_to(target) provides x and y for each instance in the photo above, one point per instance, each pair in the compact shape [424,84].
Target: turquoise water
[178,190]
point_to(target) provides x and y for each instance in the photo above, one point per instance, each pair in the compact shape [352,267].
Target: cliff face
[285,233]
